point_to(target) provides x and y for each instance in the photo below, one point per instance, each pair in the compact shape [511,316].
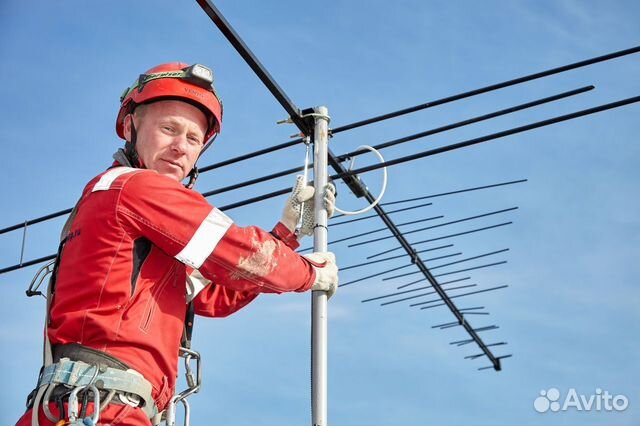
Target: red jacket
[136,238]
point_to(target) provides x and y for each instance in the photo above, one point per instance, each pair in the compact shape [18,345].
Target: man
[139,247]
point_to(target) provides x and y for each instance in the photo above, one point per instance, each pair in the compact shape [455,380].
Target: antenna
[316,123]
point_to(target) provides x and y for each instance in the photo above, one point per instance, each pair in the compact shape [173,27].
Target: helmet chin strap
[193,177]
[130,148]
[193,174]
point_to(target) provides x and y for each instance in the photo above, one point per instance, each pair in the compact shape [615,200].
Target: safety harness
[75,371]
[69,376]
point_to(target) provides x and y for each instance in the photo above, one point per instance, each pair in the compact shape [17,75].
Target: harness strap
[78,373]
[47,354]
[78,352]
[36,403]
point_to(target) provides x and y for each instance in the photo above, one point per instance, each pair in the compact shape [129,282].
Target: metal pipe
[319,311]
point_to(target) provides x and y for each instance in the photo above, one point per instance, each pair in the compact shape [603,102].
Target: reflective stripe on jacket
[139,247]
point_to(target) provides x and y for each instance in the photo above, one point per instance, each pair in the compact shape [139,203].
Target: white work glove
[301,199]
[326,271]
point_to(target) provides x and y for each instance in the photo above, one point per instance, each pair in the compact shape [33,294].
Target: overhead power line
[26,264]
[437,102]
[405,139]
[219,190]
[491,87]
[473,120]
[434,151]
[492,136]
[441,101]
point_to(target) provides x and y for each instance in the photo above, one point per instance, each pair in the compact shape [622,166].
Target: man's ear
[126,127]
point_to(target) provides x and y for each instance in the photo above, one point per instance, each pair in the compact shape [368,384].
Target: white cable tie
[307,143]
[317,114]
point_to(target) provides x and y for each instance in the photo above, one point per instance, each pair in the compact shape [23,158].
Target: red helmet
[175,80]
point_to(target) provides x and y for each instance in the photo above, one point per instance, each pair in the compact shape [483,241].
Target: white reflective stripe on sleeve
[195,284]
[205,239]
[107,179]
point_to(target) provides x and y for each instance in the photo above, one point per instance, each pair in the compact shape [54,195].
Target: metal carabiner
[170,412]
[170,416]
[194,381]
[39,278]
[73,407]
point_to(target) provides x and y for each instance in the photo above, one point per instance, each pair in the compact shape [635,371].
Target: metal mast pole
[319,298]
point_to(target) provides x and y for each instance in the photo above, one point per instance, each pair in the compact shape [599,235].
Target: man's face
[170,136]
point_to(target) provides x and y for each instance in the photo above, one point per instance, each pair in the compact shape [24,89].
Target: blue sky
[570,314]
